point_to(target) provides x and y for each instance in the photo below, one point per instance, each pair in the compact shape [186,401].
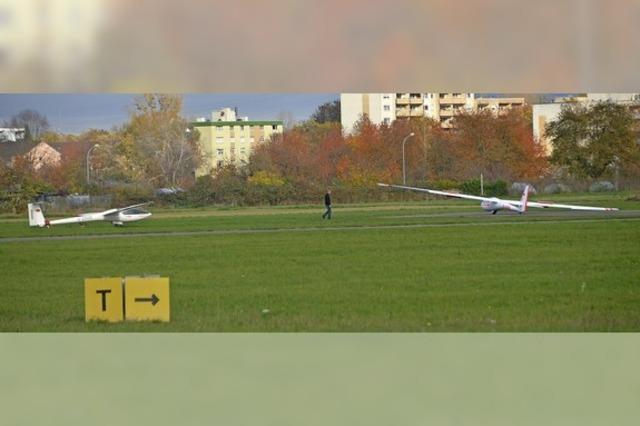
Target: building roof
[8,151]
[235,123]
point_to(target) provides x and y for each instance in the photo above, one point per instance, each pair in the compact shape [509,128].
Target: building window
[274,127]
[221,152]
[220,163]
[385,96]
[220,129]
[387,120]
[220,139]
[387,108]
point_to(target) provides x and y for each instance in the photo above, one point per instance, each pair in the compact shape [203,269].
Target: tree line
[157,148]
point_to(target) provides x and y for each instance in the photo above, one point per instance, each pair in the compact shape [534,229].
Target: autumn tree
[498,146]
[591,141]
[22,183]
[160,140]
[370,158]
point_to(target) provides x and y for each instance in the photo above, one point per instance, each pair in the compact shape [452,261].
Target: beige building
[43,155]
[387,107]
[544,114]
[226,139]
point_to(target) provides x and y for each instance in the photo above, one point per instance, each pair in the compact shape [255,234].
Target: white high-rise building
[387,107]
[379,107]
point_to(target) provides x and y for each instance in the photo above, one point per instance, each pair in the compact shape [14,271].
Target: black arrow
[153,299]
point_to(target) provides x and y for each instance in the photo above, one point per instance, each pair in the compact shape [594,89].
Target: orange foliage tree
[499,147]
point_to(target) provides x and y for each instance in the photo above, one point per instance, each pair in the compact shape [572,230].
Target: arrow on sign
[153,299]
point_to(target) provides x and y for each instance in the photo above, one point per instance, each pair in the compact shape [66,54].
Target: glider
[116,216]
[494,204]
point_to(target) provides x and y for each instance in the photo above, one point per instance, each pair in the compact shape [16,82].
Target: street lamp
[404,175]
[88,163]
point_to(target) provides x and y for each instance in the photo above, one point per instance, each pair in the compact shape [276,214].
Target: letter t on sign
[103,299]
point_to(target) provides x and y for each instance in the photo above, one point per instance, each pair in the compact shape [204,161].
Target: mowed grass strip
[224,218]
[525,277]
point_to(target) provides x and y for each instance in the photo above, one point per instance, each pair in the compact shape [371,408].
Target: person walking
[327,205]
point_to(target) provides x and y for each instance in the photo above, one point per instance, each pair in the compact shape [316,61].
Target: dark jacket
[327,199]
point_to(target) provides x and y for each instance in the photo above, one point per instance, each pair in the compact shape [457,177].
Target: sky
[75,113]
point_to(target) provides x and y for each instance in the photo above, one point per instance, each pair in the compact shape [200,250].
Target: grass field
[428,266]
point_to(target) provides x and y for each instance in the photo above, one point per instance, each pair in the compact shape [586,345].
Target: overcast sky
[74,113]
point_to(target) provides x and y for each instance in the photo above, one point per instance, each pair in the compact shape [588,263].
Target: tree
[34,123]
[591,141]
[499,147]
[371,158]
[161,141]
[22,184]
[327,112]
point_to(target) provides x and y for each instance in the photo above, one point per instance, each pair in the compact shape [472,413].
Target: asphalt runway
[538,213]
[502,218]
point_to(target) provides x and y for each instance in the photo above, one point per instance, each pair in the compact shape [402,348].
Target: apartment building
[227,139]
[387,107]
[12,134]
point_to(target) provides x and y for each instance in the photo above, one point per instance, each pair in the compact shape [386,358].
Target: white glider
[494,204]
[116,216]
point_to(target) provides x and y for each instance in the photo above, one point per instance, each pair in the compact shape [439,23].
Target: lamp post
[88,163]
[404,175]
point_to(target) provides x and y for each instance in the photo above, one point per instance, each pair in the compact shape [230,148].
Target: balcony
[403,112]
[403,101]
[415,100]
[453,100]
[416,110]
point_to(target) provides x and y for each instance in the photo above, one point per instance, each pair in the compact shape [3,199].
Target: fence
[57,203]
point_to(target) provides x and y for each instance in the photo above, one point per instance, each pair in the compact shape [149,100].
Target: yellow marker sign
[103,299]
[147,298]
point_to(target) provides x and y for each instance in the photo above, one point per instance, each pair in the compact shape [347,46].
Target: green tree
[591,141]
[327,112]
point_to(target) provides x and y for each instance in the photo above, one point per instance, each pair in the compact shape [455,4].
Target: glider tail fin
[524,199]
[36,217]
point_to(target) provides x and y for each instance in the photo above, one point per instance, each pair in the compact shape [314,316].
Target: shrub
[602,186]
[491,189]
[556,188]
